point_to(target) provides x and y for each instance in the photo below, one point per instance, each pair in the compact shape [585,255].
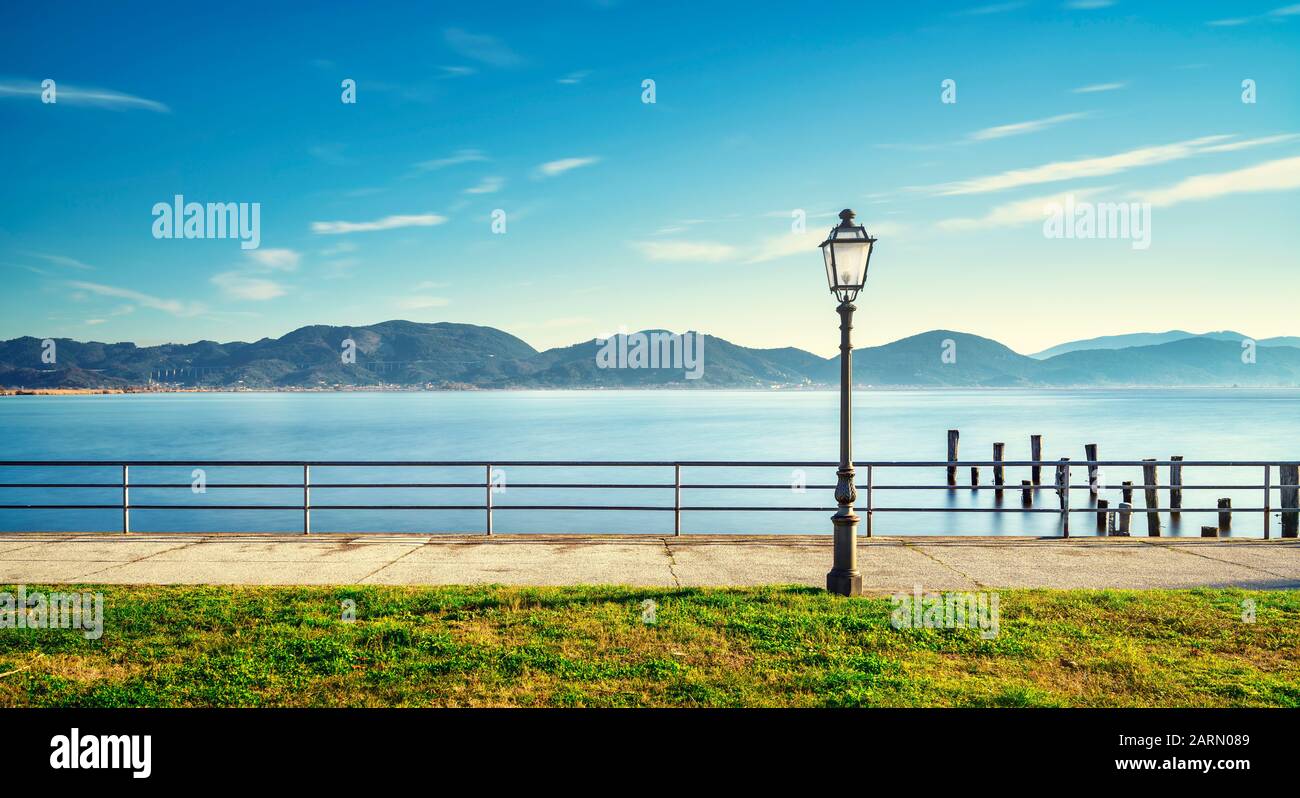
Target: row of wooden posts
[1118,522]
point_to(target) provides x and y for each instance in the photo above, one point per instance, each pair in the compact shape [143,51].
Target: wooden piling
[1175,485]
[1026,493]
[1209,532]
[974,476]
[1225,515]
[1090,452]
[1128,491]
[999,473]
[1125,519]
[953,436]
[1103,513]
[1149,482]
[1290,500]
[1063,493]
[1036,454]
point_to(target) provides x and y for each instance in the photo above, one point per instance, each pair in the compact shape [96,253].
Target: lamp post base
[844,578]
[846,583]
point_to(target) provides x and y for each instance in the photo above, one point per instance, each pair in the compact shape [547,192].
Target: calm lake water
[1204,424]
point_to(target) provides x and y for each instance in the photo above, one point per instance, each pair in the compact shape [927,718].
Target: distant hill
[465,356]
[1151,339]
[1202,360]
[919,360]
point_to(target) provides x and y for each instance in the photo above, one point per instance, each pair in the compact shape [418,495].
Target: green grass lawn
[589,646]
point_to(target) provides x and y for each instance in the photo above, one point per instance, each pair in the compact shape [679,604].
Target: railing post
[677,500]
[488,504]
[871,499]
[306,499]
[126,499]
[1175,486]
[1268,489]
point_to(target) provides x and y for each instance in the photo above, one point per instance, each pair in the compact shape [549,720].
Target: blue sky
[621,213]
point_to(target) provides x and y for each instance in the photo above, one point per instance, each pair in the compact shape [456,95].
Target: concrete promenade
[888,564]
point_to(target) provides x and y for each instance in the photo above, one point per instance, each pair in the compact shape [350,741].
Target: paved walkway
[888,564]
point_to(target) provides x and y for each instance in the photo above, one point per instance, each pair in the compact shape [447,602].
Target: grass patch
[588,647]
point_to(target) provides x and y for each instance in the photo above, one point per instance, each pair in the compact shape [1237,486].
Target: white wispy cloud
[553,168]
[698,251]
[274,259]
[243,286]
[455,159]
[805,244]
[1011,214]
[1246,144]
[1089,5]
[782,246]
[995,8]
[386,223]
[62,260]
[1021,128]
[1279,175]
[481,47]
[1274,15]
[488,185]
[1096,167]
[457,71]
[81,95]
[1093,88]
[172,306]
[574,78]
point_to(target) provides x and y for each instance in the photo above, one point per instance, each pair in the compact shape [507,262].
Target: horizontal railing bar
[406,463]
[337,485]
[685,508]
[632,463]
[246,486]
[588,485]
[63,506]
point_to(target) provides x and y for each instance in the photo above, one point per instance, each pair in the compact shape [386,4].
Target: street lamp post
[846,252]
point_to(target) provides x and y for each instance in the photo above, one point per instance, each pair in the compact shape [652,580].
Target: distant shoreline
[58,391]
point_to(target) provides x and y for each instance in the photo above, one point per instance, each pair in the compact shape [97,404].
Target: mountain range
[1151,339]
[463,356]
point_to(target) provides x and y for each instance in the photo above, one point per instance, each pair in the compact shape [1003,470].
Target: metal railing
[868,489]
